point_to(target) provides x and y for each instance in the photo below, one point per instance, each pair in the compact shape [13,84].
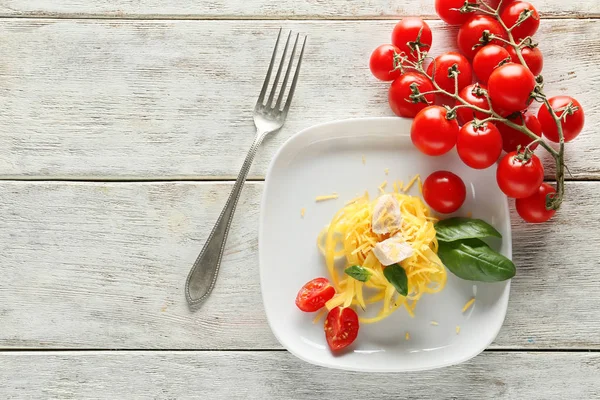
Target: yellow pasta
[349,236]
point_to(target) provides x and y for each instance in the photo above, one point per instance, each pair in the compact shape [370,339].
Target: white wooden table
[122,126]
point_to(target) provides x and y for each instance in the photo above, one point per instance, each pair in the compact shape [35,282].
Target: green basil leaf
[396,275]
[451,229]
[359,273]
[474,260]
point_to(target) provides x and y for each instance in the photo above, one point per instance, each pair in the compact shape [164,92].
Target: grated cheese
[434,323]
[364,160]
[302,212]
[382,187]
[407,336]
[412,182]
[319,315]
[468,304]
[457,329]
[327,197]
[387,171]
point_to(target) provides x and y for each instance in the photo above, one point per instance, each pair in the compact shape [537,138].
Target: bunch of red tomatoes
[469,99]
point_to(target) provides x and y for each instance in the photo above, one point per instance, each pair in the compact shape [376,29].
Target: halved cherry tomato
[488,59]
[432,133]
[444,191]
[407,30]
[510,15]
[341,328]
[471,32]
[381,62]
[510,87]
[519,179]
[512,138]
[479,147]
[400,91]
[532,56]
[571,124]
[314,294]
[445,61]
[533,208]
[465,114]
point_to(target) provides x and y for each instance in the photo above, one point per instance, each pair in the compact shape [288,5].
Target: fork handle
[203,275]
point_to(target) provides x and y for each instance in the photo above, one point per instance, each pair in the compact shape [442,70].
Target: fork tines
[290,62]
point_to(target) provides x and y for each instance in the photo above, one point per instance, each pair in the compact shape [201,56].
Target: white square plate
[329,158]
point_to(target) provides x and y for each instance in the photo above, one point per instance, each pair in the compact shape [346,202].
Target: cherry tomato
[407,30]
[510,16]
[444,191]
[447,10]
[314,294]
[341,328]
[445,61]
[533,208]
[571,124]
[400,91]
[519,179]
[382,62]
[432,133]
[470,33]
[510,87]
[488,59]
[512,138]
[533,58]
[480,147]
[505,4]
[465,114]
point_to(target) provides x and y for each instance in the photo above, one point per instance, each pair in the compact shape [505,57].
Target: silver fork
[267,118]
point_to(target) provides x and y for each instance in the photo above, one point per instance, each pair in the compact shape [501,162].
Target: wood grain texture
[279,375]
[283,9]
[173,99]
[102,265]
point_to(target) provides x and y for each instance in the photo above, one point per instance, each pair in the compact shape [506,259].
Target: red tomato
[488,59]
[471,32]
[510,16]
[314,295]
[445,61]
[512,138]
[519,179]
[382,62]
[448,11]
[571,125]
[432,133]
[533,58]
[533,208]
[510,87]
[407,30]
[479,148]
[444,191]
[505,4]
[341,328]
[465,114]
[400,91]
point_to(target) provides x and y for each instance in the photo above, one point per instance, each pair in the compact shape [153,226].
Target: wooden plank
[173,99]
[102,265]
[277,375]
[284,9]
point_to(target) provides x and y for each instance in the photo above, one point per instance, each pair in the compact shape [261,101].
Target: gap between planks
[200,179]
[283,18]
[100,350]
